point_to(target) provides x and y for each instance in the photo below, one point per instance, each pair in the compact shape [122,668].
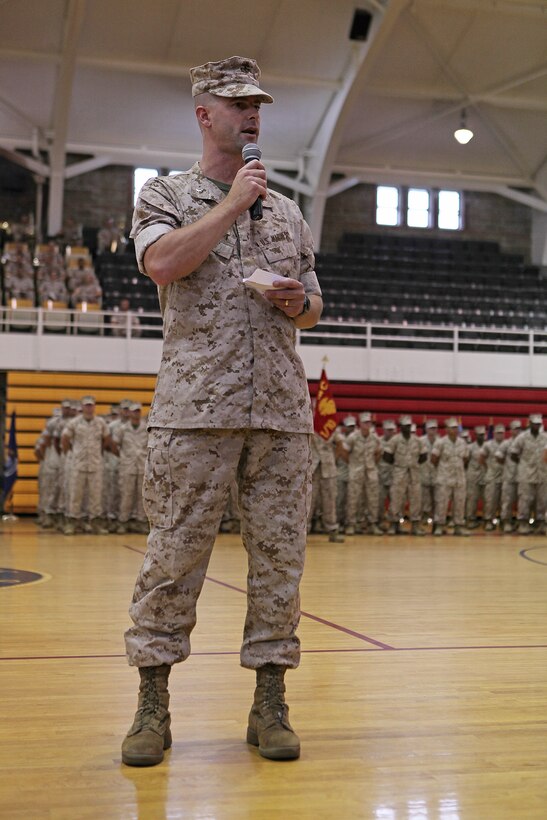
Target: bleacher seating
[409,280]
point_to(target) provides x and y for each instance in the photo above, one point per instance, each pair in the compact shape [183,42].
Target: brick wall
[487,217]
[93,197]
[108,192]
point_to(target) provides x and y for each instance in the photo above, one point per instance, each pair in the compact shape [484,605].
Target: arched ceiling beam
[61,111]
[322,152]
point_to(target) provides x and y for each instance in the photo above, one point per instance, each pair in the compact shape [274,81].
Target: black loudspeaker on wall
[360,25]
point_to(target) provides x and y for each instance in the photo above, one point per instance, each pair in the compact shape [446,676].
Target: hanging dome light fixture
[463,134]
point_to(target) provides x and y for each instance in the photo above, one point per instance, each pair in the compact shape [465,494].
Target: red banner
[324,421]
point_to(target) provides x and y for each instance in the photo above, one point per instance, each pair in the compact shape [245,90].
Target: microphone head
[250,151]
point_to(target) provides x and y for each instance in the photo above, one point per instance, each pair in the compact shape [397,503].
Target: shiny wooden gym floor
[422,692]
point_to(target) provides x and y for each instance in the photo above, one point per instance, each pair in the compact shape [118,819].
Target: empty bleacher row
[385,279]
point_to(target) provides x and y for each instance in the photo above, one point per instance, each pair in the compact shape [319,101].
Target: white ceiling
[108,79]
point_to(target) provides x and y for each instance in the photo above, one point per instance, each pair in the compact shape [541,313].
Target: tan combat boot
[269,726]
[150,734]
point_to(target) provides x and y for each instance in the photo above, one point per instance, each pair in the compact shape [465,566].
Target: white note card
[261,280]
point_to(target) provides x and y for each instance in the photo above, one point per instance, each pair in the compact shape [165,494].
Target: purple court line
[340,628]
[524,554]
[319,620]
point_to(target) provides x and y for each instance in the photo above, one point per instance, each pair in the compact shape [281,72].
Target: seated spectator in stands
[118,322]
[53,287]
[110,238]
[72,232]
[88,291]
[22,230]
[19,284]
[79,275]
[49,261]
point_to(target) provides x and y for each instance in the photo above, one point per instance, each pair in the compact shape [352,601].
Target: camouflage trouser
[531,498]
[341,499]
[131,505]
[231,511]
[111,490]
[324,496]
[443,496]
[475,492]
[428,500]
[363,493]
[49,490]
[492,498]
[85,492]
[509,495]
[186,484]
[384,493]
[402,484]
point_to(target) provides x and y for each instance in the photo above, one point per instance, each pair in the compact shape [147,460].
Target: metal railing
[70,321]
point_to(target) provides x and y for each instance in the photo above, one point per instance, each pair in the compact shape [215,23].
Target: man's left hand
[288,296]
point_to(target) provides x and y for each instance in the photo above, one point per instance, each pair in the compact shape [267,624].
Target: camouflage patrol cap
[480,429]
[233,77]
[499,428]
[125,404]
[516,424]
[536,418]
[405,421]
[349,421]
[366,416]
[389,424]
[451,422]
[431,424]
[135,406]
[88,400]
[66,403]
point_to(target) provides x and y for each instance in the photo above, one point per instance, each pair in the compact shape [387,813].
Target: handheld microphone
[249,152]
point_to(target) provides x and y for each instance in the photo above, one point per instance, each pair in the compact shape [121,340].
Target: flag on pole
[10,462]
[324,421]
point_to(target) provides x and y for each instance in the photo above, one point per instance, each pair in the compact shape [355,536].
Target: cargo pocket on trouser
[158,485]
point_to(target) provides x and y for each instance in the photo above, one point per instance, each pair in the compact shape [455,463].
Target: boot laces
[150,698]
[274,698]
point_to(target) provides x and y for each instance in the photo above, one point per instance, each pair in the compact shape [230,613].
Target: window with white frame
[140,176]
[449,211]
[418,208]
[387,205]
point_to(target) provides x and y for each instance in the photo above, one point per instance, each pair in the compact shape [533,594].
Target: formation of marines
[91,472]
[495,478]
[91,468]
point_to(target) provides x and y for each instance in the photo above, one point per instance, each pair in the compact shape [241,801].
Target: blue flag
[10,462]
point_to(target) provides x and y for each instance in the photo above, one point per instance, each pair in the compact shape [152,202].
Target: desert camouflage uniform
[475,482]
[50,484]
[132,442]
[342,476]
[406,476]
[324,476]
[427,478]
[363,489]
[86,473]
[231,400]
[111,475]
[385,480]
[450,479]
[493,477]
[509,485]
[530,474]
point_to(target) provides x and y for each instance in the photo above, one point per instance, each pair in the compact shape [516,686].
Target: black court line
[524,554]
